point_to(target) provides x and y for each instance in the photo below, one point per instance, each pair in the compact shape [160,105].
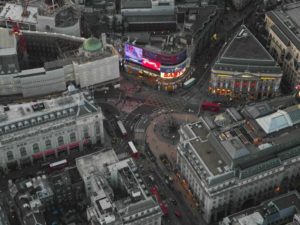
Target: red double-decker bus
[210,106]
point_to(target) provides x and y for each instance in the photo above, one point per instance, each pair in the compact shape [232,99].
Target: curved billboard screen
[165,59]
[173,69]
[151,64]
[133,53]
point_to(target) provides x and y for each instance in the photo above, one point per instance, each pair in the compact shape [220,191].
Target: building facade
[236,159]
[148,15]
[57,17]
[198,26]
[284,40]
[51,61]
[245,70]
[33,132]
[281,210]
[117,194]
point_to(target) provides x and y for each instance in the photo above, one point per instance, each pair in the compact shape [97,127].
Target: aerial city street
[149,112]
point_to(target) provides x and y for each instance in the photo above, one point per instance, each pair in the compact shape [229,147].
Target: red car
[178,213]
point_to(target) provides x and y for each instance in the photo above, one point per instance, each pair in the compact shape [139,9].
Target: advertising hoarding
[151,64]
[173,69]
[172,74]
[133,53]
[165,59]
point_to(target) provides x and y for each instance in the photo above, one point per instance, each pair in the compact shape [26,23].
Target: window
[48,144]
[86,132]
[23,152]
[10,155]
[97,127]
[35,148]
[72,137]
[60,140]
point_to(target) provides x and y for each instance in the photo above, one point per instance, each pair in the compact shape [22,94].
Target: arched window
[97,127]
[23,151]
[72,137]
[60,140]
[35,148]
[86,132]
[48,144]
[10,155]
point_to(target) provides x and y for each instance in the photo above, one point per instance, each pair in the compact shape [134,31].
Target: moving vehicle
[133,151]
[210,106]
[178,213]
[190,82]
[122,128]
[58,165]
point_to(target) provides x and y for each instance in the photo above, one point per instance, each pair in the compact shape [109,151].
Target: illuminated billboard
[133,53]
[173,69]
[165,59]
[172,74]
[151,64]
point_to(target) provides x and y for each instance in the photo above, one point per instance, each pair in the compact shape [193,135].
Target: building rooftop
[287,23]
[280,120]
[219,145]
[136,4]
[7,40]
[14,12]
[245,53]
[95,162]
[14,117]
[108,176]
[271,210]
[92,44]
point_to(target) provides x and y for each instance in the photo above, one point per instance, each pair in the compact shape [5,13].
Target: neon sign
[151,64]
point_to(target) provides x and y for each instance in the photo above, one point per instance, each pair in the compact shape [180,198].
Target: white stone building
[45,129]
[86,62]
[284,40]
[116,191]
[229,161]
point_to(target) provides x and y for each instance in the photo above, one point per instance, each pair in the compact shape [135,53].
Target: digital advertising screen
[172,75]
[173,69]
[151,64]
[133,53]
[165,59]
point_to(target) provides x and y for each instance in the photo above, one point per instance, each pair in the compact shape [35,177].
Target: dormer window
[52,117]
[58,114]
[33,121]
[39,119]
[26,123]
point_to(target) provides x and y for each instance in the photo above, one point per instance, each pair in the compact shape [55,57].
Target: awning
[49,152]
[74,145]
[37,155]
[62,148]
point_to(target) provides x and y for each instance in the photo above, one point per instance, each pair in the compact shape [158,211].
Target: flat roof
[204,148]
[136,4]
[14,12]
[14,117]
[287,19]
[6,39]
[95,162]
[288,200]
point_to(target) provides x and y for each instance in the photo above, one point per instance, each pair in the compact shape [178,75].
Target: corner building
[245,70]
[237,159]
[283,26]
[36,131]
